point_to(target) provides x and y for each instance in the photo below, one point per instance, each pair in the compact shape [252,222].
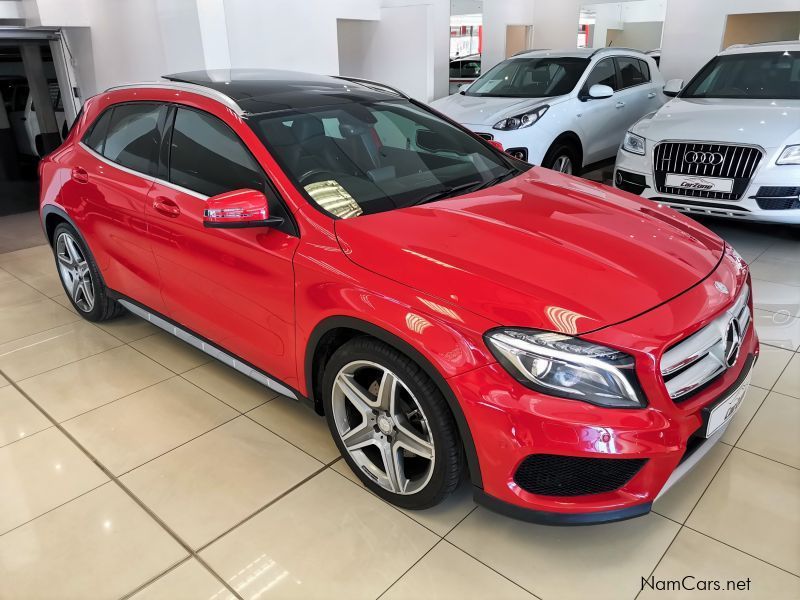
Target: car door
[233,287]
[600,119]
[108,186]
[636,90]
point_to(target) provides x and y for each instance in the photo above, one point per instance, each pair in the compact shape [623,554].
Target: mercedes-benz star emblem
[721,287]
[733,342]
[703,158]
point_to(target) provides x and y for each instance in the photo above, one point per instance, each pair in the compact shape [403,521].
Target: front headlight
[521,121]
[789,156]
[633,143]
[567,367]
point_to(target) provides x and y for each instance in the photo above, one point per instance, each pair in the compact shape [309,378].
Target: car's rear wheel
[391,424]
[80,276]
[562,157]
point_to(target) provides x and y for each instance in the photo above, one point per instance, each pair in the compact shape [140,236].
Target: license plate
[720,413]
[698,182]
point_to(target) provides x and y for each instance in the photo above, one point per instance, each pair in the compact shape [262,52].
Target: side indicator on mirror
[238,209]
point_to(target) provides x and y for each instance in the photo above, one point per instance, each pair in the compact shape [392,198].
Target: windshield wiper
[470,187]
[496,180]
[444,193]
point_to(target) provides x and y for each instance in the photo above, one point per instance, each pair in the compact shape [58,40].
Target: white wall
[407,47]
[555,24]
[614,15]
[497,15]
[693,30]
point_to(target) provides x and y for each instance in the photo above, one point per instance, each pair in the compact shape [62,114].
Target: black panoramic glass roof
[269,90]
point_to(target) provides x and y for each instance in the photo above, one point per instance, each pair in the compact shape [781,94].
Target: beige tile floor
[133,466]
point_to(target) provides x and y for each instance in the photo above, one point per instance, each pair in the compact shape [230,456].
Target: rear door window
[630,71]
[134,136]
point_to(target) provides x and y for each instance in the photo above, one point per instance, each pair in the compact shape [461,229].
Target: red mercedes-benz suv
[576,349]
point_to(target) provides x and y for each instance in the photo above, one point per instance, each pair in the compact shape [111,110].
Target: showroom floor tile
[131,465]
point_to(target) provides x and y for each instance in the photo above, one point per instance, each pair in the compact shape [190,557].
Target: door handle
[166,207]
[651,95]
[619,104]
[79,175]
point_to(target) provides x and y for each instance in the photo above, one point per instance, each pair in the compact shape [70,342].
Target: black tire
[103,308]
[448,463]
[559,149]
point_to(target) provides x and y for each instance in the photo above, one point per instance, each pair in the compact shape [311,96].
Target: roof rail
[373,84]
[529,50]
[184,86]
[774,43]
[607,48]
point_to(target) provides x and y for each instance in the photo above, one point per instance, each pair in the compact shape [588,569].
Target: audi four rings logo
[703,158]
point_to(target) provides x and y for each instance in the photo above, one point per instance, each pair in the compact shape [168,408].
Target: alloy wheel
[563,164]
[75,273]
[383,427]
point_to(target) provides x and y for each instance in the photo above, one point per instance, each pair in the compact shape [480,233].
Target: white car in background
[728,144]
[560,109]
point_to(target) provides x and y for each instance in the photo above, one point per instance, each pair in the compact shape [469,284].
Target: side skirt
[210,349]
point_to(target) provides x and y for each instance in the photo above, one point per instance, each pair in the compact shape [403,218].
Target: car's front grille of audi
[696,361]
[737,162]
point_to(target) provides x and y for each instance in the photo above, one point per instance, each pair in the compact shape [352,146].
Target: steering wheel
[313,172]
[733,90]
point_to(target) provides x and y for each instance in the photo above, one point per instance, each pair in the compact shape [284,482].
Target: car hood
[767,123]
[542,250]
[485,110]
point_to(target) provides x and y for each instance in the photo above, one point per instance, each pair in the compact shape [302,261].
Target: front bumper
[752,206]
[510,423]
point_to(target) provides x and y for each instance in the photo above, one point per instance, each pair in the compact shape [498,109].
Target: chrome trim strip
[701,355]
[144,176]
[192,88]
[209,349]
[683,469]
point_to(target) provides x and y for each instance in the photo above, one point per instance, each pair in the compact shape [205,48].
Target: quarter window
[207,157]
[96,137]
[134,136]
[630,71]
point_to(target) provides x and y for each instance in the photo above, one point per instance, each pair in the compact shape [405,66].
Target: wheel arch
[574,139]
[332,332]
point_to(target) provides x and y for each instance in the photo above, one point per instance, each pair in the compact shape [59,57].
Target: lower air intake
[555,475]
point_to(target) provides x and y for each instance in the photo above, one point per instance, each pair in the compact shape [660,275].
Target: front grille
[695,362]
[555,475]
[738,163]
[778,203]
[486,136]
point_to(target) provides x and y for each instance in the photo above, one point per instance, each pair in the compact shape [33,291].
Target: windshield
[363,158]
[767,75]
[530,77]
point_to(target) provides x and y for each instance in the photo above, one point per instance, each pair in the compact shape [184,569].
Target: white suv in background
[560,109]
[728,144]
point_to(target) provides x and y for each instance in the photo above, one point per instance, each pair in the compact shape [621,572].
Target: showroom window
[207,157]
[133,136]
[630,71]
[604,73]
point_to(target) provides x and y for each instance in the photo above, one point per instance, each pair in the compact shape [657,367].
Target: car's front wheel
[562,157]
[391,424]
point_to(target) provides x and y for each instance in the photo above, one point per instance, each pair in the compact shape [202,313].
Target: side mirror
[238,209]
[673,87]
[598,91]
